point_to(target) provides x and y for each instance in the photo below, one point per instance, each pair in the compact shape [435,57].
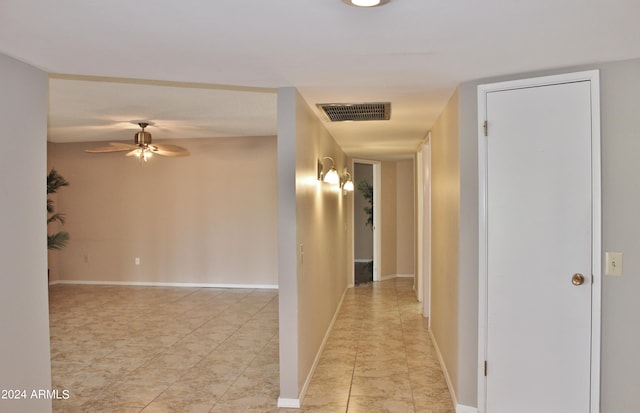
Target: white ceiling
[412,53]
[98,110]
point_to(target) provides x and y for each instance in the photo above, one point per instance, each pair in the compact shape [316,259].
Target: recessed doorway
[366,212]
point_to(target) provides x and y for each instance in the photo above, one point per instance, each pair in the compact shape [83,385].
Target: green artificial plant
[56,240]
[366,189]
[367,192]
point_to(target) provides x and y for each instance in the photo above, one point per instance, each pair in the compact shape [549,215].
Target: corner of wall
[25,361]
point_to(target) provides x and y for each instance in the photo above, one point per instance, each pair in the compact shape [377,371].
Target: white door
[540,224]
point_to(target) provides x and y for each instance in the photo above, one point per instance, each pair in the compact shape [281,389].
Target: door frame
[591,76]
[423,225]
[419,275]
[377,202]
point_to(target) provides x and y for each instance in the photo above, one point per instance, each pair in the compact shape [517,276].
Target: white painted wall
[288,248]
[24,311]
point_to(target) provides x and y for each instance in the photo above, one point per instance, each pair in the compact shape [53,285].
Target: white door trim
[377,220]
[427,232]
[423,225]
[596,254]
[419,232]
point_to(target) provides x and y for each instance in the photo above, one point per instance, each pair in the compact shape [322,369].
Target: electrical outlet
[301,247]
[137,260]
[613,264]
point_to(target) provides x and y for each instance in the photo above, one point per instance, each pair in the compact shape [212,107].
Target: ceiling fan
[142,148]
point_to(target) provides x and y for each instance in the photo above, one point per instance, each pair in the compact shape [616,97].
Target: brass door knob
[577,279]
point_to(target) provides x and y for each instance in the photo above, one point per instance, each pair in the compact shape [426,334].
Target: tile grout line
[252,360]
[406,356]
[355,359]
[213,349]
[404,341]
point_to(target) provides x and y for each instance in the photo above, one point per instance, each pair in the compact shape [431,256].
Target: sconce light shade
[348,183]
[331,176]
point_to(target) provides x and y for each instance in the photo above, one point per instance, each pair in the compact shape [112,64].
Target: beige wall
[24,311]
[397,219]
[209,218]
[405,218]
[389,220]
[314,241]
[445,192]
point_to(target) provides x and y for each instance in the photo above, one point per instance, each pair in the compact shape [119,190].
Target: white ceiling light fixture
[366,3]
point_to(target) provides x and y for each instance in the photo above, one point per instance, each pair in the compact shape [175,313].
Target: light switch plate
[613,262]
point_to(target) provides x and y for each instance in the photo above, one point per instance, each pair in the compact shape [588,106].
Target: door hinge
[485,125]
[485,368]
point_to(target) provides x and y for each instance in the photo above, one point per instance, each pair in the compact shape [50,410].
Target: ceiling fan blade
[113,147]
[169,150]
[171,154]
[135,152]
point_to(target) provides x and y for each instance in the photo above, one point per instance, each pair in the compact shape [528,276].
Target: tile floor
[191,350]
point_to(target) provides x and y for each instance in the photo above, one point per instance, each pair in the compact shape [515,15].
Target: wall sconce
[347,182]
[331,175]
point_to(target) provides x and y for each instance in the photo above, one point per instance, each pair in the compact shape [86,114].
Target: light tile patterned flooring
[198,350]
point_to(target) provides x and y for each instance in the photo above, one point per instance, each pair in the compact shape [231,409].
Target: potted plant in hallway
[59,239]
[366,189]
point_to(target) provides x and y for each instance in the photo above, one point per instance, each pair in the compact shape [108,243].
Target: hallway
[121,349]
[379,357]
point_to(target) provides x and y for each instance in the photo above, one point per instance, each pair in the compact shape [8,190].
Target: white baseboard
[168,284]
[288,403]
[443,366]
[460,408]
[303,392]
[392,276]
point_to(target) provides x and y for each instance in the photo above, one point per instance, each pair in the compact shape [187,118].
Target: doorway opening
[366,213]
[363,223]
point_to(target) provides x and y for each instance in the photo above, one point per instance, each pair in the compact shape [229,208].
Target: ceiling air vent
[340,112]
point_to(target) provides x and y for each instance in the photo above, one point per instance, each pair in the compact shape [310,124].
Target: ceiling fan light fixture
[142,148]
[143,154]
[142,137]
[146,154]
